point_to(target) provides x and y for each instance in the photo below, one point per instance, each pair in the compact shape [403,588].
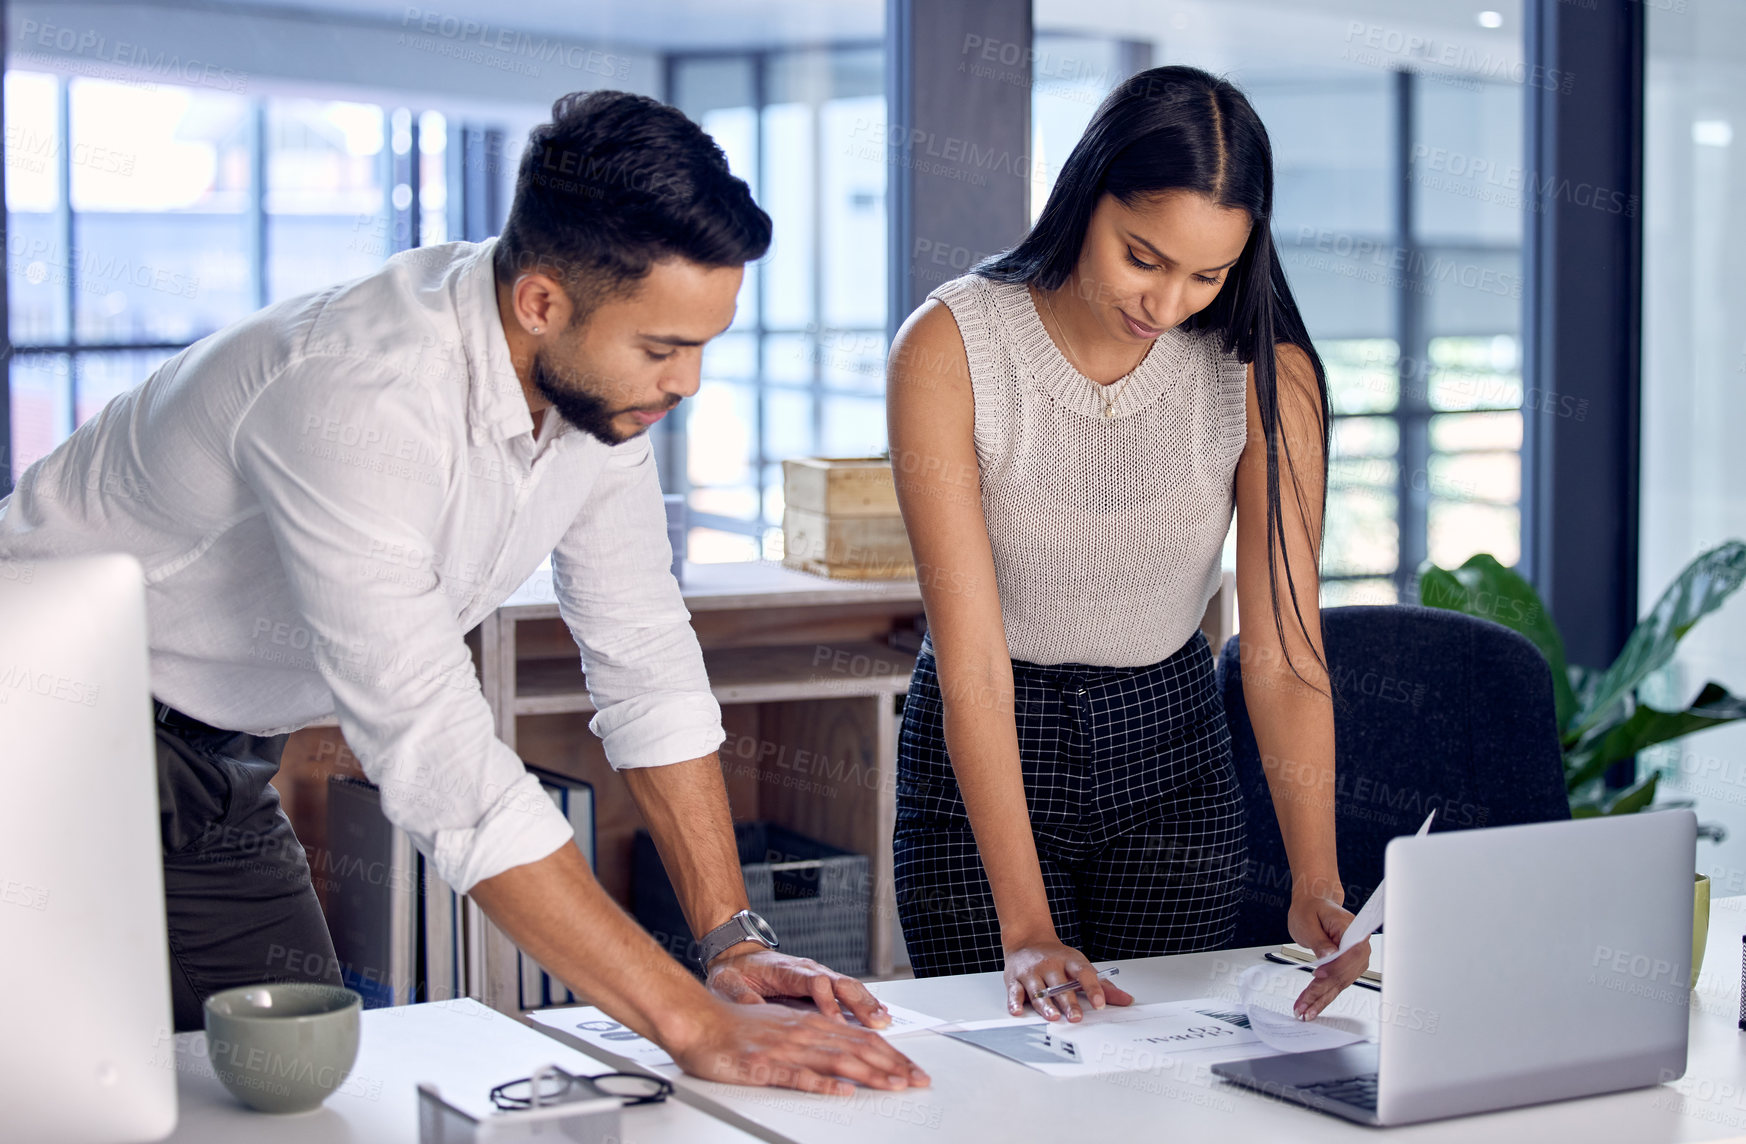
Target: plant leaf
[1583,681]
[1698,590]
[1585,763]
[1633,798]
[1484,588]
[1648,726]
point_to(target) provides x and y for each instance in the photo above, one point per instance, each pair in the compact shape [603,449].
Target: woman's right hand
[1036,965]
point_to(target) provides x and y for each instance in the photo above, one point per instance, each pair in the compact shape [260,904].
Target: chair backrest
[1433,709]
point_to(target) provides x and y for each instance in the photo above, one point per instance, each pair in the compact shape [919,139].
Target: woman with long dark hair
[1073,425]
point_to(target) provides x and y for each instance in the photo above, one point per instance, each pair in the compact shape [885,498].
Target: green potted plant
[1601,721]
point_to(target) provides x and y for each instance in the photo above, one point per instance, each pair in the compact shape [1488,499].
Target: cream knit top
[1106,532]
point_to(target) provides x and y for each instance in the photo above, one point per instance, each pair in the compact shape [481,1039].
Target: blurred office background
[173,166]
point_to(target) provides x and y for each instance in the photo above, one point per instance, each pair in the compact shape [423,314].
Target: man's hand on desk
[556,911]
[774,1045]
[748,973]
[1316,923]
[686,808]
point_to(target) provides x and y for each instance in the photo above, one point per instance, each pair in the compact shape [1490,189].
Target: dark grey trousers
[238,899]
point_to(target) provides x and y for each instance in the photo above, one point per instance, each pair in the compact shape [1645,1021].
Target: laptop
[1525,964]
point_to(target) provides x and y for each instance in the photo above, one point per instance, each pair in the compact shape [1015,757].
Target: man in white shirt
[327,495]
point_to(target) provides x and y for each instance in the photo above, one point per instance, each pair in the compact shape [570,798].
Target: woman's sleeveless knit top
[1106,531]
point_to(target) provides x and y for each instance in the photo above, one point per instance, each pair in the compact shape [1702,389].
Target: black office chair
[1433,709]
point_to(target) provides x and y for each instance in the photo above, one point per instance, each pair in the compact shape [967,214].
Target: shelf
[739,675]
[736,586]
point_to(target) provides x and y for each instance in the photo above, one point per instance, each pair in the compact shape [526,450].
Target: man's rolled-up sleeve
[644,667]
[354,534]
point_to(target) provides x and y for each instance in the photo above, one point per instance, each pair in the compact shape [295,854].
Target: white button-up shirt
[327,495]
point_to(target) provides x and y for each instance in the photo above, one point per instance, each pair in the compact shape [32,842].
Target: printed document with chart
[1135,1038]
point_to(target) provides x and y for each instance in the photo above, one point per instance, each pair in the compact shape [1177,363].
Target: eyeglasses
[552,1085]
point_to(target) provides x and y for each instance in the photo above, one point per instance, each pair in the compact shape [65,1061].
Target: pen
[1070,986]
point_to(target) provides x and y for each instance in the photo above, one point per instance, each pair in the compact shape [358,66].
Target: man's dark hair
[615,183]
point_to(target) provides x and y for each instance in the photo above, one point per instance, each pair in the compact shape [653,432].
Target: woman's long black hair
[1180,129]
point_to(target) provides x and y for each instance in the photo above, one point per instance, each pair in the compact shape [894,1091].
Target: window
[326,203]
[159,197]
[142,217]
[125,213]
[801,371]
[1398,214]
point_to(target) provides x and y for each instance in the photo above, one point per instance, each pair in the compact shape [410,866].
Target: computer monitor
[86,1055]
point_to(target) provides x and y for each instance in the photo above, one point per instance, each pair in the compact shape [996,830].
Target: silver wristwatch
[743,926]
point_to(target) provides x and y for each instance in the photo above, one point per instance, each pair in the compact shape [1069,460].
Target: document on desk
[600,1031]
[903,1020]
[1133,1038]
[597,1029]
[1268,992]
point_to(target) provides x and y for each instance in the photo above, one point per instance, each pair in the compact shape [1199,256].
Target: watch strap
[728,934]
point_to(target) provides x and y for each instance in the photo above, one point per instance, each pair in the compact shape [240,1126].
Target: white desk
[458,1046]
[977,1096]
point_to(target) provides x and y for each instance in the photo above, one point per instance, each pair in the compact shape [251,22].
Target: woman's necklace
[1108,402]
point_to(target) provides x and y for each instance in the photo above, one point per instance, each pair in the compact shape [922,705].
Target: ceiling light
[1490,19]
[1712,132]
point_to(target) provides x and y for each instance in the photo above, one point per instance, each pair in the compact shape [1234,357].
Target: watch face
[760,927]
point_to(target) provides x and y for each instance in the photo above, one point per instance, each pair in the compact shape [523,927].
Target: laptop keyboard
[1358,1091]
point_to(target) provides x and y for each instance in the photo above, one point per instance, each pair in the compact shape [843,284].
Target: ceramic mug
[283,1047]
[1700,925]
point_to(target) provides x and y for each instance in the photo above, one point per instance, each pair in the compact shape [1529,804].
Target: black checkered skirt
[1133,801]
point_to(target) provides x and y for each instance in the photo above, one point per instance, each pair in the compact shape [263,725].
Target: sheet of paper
[601,1031]
[1267,993]
[1135,1038]
[903,1020]
[1368,919]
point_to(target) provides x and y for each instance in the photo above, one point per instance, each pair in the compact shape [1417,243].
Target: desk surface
[977,1096]
[455,1045]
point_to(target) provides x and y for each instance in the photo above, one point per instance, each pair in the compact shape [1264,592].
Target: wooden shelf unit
[809,688]
[736,675]
[811,698]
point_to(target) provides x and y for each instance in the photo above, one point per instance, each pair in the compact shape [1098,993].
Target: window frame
[474,210]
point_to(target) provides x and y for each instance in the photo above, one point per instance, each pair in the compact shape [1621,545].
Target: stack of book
[402,934]
[373,899]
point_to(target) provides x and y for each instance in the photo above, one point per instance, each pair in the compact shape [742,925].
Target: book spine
[402,917]
[441,948]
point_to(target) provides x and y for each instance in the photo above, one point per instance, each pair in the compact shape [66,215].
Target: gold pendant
[1109,411]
